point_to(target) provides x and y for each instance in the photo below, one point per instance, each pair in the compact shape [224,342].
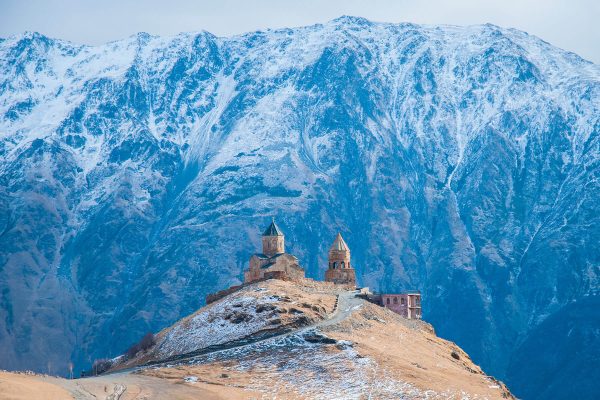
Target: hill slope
[135,177]
[315,349]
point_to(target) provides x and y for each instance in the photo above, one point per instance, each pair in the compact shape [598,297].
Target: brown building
[407,304]
[340,270]
[273,262]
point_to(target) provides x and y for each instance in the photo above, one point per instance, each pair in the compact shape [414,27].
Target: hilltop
[278,339]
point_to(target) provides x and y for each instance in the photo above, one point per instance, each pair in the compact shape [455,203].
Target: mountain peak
[32,35]
[351,20]
[29,37]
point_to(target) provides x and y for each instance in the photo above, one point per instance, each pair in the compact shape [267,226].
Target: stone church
[273,262]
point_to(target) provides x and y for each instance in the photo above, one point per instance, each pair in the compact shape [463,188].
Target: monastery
[274,263]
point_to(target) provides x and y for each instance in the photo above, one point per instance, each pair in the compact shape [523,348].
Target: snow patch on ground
[294,365]
[224,322]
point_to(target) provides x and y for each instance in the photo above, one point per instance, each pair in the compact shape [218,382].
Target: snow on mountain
[135,177]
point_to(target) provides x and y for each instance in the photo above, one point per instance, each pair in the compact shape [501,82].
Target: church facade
[273,262]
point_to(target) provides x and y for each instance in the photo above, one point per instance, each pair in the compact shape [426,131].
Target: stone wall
[283,266]
[211,298]
[345,276]
[273,245]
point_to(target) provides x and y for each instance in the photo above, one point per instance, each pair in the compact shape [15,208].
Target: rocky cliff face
[135,178]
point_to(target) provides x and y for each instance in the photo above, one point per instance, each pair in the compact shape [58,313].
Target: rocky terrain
[135,178]
[323,343]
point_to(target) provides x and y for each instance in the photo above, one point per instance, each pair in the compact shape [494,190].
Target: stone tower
[273,241]
[340,270]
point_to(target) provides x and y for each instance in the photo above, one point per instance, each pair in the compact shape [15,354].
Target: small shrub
[133,350]
[144,344]
[239,318]
[147,341]
[265,307]
[316,337]
[302,320]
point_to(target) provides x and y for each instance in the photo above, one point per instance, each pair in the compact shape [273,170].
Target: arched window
[388,300]
[343,265]
[335,265]
[402,301]
[395,300]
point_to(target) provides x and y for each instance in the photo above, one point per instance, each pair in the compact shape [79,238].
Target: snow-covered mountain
[135,178]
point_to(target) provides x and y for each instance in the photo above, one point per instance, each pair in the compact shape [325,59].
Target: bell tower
[339,254]
[273,240]
[340,270]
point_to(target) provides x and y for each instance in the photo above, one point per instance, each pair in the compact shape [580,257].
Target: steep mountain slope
[135,178]
[572,336]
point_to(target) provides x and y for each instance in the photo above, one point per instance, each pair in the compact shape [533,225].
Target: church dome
[272,230]
[339,244]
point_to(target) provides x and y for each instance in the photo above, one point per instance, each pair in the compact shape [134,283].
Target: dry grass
[388,355]
[409,350]
[19,386]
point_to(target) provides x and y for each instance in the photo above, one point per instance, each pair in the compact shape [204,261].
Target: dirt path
[347,303]
[126,386]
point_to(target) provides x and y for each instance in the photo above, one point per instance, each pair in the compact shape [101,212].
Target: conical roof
[339,244]
[273,230]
